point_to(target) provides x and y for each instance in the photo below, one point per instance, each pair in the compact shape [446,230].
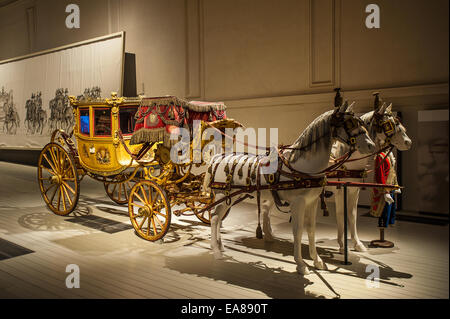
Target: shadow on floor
[329,256]
[274,282]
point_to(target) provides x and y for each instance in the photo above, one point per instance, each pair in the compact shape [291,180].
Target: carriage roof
[159,117]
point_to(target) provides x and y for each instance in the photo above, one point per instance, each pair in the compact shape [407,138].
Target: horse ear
[343,107]
[350,108]
[382,108]
[389,108]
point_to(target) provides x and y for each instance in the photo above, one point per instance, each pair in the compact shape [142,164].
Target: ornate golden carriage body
[134,167]
[96,131]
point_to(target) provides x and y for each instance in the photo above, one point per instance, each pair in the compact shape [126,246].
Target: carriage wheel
[118,192]
[206,215]
[58,179]
[149,210]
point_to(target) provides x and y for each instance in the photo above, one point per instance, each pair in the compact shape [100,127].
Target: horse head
[349,129]
[388,130]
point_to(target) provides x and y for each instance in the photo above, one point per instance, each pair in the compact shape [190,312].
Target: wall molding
[194,48]
[436,94]
[31,28]
[330,23]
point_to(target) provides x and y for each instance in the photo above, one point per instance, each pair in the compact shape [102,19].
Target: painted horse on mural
[36,117]
[387,132]
[308,156]
[11,120]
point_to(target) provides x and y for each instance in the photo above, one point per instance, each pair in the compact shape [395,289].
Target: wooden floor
[121,265]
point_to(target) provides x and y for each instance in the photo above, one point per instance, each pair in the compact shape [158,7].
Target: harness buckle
[388,128]
[271,178]
[352,140]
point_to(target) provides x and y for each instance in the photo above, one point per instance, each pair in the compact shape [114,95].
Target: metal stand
[345,262]
[381,243]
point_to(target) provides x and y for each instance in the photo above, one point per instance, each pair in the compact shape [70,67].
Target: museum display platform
[36,246]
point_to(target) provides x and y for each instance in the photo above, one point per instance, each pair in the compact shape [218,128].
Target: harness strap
[345,173]
[249,171]
[259,234]
[240,171]
[213,174]
[274,179]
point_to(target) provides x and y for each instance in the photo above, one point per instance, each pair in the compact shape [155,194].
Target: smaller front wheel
[149,210]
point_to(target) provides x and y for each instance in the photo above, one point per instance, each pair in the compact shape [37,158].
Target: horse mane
[307,142]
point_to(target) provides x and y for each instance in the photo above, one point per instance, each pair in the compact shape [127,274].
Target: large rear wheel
[58,179]
[149,210]
[119,191]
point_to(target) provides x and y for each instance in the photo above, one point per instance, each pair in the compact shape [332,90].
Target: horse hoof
[269,238]
[341,250]
[218,255]
[303,270]
[360,247]
[319,264]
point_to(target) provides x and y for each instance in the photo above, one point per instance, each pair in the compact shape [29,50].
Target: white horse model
[392,133]
[309,154]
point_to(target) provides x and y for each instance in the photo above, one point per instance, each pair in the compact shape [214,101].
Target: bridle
[349,125]
[388,127]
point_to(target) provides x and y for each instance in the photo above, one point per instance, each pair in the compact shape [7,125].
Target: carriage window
[102,124]
[126,118]
[84,121]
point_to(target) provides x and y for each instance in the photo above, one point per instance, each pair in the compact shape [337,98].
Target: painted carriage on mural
[125,144]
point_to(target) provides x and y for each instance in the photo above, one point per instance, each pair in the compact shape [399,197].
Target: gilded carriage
[125,144]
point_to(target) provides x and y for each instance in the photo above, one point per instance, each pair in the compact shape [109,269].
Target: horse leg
[339,202]
[310,222]
[216,219]
[298,214]
[353,203]
[267,228]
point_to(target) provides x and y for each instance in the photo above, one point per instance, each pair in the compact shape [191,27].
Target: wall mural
[34,92]
[36,117]
[9,117]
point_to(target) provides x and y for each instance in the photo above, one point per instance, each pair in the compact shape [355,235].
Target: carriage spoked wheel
[58,179]
[119,191]
[149,210]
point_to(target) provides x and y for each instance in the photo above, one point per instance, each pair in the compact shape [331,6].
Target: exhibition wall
[35,89]
[273,62]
